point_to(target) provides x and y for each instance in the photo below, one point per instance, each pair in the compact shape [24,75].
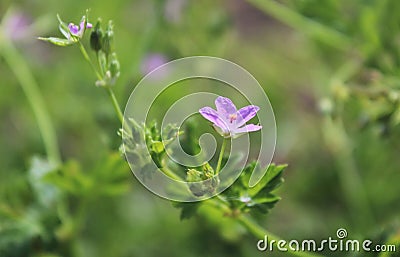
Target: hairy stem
[221,154]
[87,58]
[110,92]
[170,173]
[115,104]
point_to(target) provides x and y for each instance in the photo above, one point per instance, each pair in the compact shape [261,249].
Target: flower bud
[114,66]
[108,39]
[202,182]
[96,37]
[157,147]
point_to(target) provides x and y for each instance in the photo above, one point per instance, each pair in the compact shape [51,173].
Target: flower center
[232,117]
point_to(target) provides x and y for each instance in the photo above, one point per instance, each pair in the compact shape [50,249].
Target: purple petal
[74,29]
[212,115]
[89,25]
[245,114]
[247,128]
[81,28]
[225,107]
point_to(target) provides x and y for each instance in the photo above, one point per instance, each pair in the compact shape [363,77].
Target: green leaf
[270,181]
[58,41]
[246,174]
[258,198]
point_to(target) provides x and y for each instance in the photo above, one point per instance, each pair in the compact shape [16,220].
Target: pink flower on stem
[227,120]
[79,30]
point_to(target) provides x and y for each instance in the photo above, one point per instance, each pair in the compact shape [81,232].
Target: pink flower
[79,30]
[229,121]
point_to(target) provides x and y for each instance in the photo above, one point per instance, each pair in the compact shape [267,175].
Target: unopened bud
[96,37]
[108,39]
[114,66]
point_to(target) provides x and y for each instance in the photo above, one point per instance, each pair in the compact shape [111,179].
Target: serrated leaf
[270,181]
[271,186]
[246,174]
[258,198]
[57,41]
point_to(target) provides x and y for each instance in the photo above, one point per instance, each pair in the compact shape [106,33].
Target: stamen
[232,117]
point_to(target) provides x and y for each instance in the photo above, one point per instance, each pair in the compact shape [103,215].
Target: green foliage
[109,177]
[261,197]
[86,207]
[31,228]
[47,223]
[206,182]
[239,197]
[139,140]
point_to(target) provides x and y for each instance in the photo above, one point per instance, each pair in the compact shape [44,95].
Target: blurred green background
[331,71]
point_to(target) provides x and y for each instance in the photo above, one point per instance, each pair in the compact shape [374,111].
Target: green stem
[167,171]
[115,104]
[87,58]
[170,173]
[221,154]
[303,24]
[99,77]
[31,89]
